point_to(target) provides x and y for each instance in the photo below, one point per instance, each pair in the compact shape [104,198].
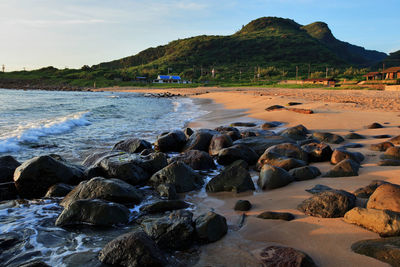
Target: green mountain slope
[393,60]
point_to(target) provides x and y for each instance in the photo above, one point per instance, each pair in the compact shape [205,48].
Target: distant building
[169,79]
[392,73]
[372,76]
[323,81]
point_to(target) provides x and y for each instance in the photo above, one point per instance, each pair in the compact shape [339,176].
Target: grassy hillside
[393,60]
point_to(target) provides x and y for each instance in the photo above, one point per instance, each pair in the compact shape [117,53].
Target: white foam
[31,132]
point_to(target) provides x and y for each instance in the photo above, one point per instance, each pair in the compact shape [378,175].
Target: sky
[73,33]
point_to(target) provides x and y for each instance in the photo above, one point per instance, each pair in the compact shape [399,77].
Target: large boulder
[210,227]
[242,205]
[170,141]
[354,136]
[383,249]
[164,205]
[285,256]
[345,168]
[272,177]
[135,249]
[277,160]
[385,197]
[174,232]
[232,132]
[59,190]
[328,204]
[374,125]
[93,211]
[328,137]
[367,191]
[199,140]
[198,160]
[298,132]
[7,167]
[317,152]
[389,162]
[383,222]
[305,173]
[383,146]
[231,154]
[132,145]
[114,190]
[218,142]
[340,154]
[234,178]
[395,140]
[260,143]
[179,175]
[34,177]
[288,150]
[272,215]
[392,153]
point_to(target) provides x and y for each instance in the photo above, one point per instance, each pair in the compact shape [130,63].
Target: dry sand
[327,241]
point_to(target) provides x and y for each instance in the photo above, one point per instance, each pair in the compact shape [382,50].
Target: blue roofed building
[169,79]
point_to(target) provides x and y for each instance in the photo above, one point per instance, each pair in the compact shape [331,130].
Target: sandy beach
[327,241]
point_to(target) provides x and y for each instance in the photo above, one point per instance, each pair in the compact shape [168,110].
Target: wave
[31,132]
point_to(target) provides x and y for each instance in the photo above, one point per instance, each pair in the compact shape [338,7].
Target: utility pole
[326,74]
[213,73]
[240,75]
[309,71]
[3,68]
[169,70]
[297,73]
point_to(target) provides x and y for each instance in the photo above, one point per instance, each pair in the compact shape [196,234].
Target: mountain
[393,60]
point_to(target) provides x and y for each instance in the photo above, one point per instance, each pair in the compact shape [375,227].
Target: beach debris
[272,215]
[243,124]
[285,256]
[199,140]
[275,107]
[385,197]
[210,227]
[383,249]
[318,189]
[389,162]
[367,191]
[392,153]
[340,154]
[272,177]
[301,110]
[170,141]
[374,125]
[196,159]
[381,146]
[345,168]
[318,152]
[231,154]
[305,173]
[298,132]
[354,136]
[132,145]
[294,103]
[59,190]
[164,205]
[328,137]
[242,205]
[218,142]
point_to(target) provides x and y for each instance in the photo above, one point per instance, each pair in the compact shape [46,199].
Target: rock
[34,263]
[242,205]
[367,191]
[384,222]
[274,107]
[279,161]
[392,153]
[339,155]
[354,136]
[389,162]
[298,132]
[381,146]
[196,159]
[34,177]
[94,158]
[381,136]
[173,232]
[351,145]
[135,249]
[7,167]
[385,197]
[8,191]
[319,188]
[199,140]
[284,256]
[232,132]
[164,205]
[218,142]
[93,211]
[170,142]
[188,132]
[272,177]
[234,178]
[167,191]
[328,138]
[269,125]
[383,249]
[301,110]
[147,151]
[260,143]
[210,227]
[288,150]
[243,124]
[374,125]
[179,175]
[304,173]
[395,140]
[271,215]
[114,190]
[59,190]
[318,152]
[328,204]
[345,168]
[132,145]
[294,103]
[231,154]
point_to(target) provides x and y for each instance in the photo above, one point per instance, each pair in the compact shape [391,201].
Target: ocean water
[74,124]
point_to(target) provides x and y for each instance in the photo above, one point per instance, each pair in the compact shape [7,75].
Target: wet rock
[271,215]
[304,173]
[34,263]
[374,125]
[385,197]
[135,249]
[34,177]
[245,134]
[260,143]
[319,188]
[389,162]
[395,140]
[381,146]
[94,212]
[218,142]
[114,190]
[294,103]
[59,190]
[8,191]
[351,145]
[339,155]
[318,152]
[174,232]
[196,159]
[231,154]
[277,160]
[288,150]
[354,136]
[242,205]
[301,110]
[269,125]
[384,222]
[284,256]
[210,227]
[167,191]
[307,141]
[132,145]
[199,140]
[94,158]
[328,204]
[328,138]
[165,205]
[179,175]
[298,132]
[170,142]
[367,191]
[381,136]
[275,107]
[383,249]
[392,153]
[272,177]
[7,167]
[188,132]
[345,168]
[234,178]
[243,124]
[232,132]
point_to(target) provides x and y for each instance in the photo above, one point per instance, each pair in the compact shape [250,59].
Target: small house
[322,81]
[372,76]
[392,73]
[167,79]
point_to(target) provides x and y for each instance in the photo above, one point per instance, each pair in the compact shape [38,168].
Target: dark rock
[93,211]
[318,152]
[279,161]
[167,191]
[174,232]
[135,249]
[34,263]
[271,215]
[198,160]
[199,140]
[210,227]
[188,132]
[274,107]
[304,173]
[59,190]
[288,150]
[132,145]
[328,138]
[242,205]
[294,103]
[339,155]
[260,143]
[34,177]
[170,142]
[232,132]
[381,146]
[245,134]
[272,177]
[328,204]
[301,110]
[7,167]
[374,125]
[354,136]
[94,158]
[8,191]
[392,153]
[344,168]
[234,178]
[231,154]
[269,125]
[367,191]
[179,175]
[114,190]
[383,249]
[381,136]
[146,152]
[395,140]
[243,124]
[273,256]
[319,188]
[164,205]
[351,145]
[307,141]
[298,132]
[389,162]
[385,197]
[218,142]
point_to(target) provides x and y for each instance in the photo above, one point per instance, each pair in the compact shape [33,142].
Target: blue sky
[71,33]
